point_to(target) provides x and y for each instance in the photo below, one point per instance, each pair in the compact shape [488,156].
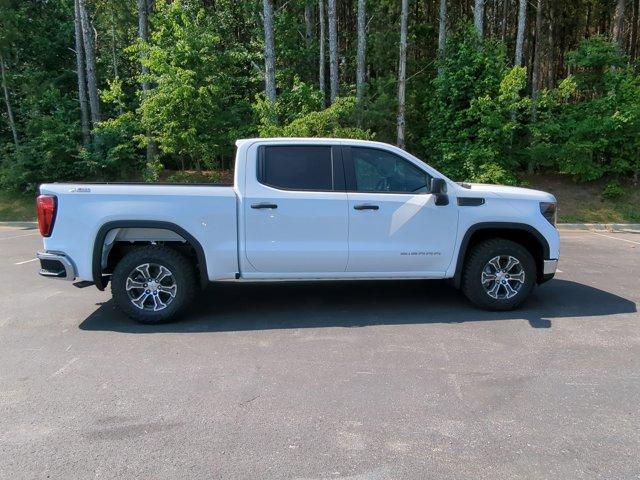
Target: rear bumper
[549,268]
[56,265]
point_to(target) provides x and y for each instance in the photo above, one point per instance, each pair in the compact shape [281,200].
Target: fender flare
[98,245]
[464,244]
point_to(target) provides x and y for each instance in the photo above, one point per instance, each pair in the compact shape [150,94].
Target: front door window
[380,171]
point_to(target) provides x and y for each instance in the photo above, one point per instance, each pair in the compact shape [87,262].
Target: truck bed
[207,212]
[171,184]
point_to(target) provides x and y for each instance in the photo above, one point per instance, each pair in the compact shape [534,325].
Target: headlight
[549,211]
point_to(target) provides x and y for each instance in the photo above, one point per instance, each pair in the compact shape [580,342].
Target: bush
[613,191]
[50,151]
[117,153]
[195,177]
[334,121]
[300,100]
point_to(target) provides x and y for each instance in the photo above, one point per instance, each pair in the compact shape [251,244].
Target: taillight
[46,206]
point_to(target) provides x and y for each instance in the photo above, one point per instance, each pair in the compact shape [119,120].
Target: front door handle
[264,205]
[366,207]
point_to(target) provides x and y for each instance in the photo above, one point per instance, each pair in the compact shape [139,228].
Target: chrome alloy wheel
[503,277]
[151,287]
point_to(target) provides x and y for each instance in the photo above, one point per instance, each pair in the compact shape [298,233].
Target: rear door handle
[264,205]
[366,207]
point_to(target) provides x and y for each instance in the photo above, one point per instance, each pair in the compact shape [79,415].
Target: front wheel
[153,284]
[498,275]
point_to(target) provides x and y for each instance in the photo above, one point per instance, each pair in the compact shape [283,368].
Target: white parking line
[26,261]
[616,238]
[65,366]
[19,236]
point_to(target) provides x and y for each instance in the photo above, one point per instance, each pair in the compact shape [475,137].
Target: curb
[607,227]
[19,224]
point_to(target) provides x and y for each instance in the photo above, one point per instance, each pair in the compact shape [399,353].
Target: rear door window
[296,167]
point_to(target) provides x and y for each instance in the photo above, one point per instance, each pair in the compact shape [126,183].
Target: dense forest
[481,89]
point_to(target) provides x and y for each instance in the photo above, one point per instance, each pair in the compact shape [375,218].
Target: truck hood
[515,193]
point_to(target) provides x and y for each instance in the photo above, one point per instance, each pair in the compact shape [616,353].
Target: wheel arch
[99,245]
[522,233]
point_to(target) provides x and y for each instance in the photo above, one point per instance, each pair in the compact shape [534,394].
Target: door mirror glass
[439,190]
[438,186]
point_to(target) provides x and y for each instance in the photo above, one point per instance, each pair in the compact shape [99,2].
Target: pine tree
[478,17]
[90,61]
[82,78]
[269,51]
[402,74]
[333,50]
[362,41]
[7,101]
[322,59]
[522,25]
[442,31]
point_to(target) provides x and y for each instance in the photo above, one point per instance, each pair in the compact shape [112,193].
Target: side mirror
[439,190]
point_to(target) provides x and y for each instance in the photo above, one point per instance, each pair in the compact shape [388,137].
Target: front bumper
[549,268]
[56,265]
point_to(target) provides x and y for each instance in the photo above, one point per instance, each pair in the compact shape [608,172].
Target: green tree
[194,109]
[470,129]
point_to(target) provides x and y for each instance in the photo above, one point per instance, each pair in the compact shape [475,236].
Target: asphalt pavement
[363,380]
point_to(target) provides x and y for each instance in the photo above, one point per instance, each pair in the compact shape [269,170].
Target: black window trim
[338,180]
[350,173]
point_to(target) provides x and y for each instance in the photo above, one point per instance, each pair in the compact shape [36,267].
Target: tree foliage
[474,120]
[195,109]
[336,121]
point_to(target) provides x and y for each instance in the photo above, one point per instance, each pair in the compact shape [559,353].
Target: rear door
[295,210]
[395,227]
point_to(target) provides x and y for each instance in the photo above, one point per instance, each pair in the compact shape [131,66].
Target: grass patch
[17,207]
[611,212]
[585,203]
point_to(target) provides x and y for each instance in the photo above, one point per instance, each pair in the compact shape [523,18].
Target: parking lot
[366,380]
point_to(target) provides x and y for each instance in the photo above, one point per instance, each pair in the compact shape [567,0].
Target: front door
[394,225]
[295,210]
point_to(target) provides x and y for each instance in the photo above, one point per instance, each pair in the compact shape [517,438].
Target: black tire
[182,276]
[478,261]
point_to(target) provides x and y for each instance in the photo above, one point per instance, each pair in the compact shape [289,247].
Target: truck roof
[309,140]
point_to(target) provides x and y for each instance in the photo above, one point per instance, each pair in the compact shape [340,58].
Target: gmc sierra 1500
[299,209]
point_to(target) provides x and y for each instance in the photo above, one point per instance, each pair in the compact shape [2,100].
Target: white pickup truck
[299,209]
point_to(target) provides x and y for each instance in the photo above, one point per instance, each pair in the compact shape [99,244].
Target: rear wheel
[498,275]
[153,284]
